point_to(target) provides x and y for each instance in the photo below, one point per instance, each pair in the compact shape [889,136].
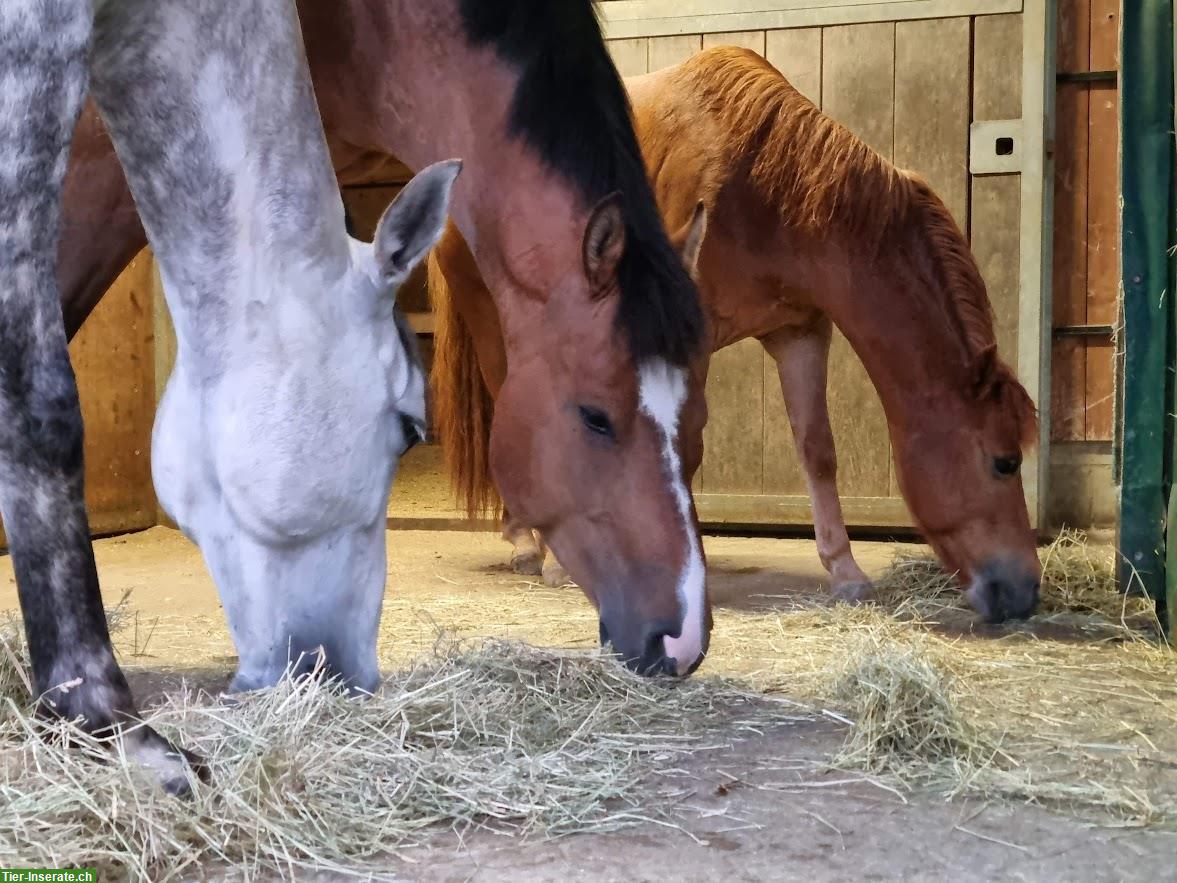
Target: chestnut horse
[598,315]
[808,228]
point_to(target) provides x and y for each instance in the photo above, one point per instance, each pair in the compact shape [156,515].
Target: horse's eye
[597,422]
[1007,466]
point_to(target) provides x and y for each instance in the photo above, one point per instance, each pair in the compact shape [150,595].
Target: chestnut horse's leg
[527,554]
[802,356]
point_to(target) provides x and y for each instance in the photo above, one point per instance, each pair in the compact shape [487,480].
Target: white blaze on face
[662,390]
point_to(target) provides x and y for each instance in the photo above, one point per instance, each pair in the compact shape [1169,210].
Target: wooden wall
[910,89]
[1086,212]
[113,358]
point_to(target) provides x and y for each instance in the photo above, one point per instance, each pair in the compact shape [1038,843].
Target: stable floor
[746,813]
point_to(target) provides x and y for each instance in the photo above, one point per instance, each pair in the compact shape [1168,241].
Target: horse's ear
[604,242]
[984,371]
[689,240]
[415,220]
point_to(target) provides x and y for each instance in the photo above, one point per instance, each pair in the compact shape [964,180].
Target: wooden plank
[797,55]
[1103,216]
[630,56]
[729,510]
[665,51]
[996,200]
[932,106]
[858,74]
[1034,220]
[1069,263]
[734,436]
[753,40]
[858,79]
[651,18]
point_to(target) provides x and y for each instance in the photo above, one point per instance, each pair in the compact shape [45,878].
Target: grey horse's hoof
[854,593]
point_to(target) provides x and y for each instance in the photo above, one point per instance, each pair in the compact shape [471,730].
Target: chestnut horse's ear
[689,240]
[604,242]
[984,370]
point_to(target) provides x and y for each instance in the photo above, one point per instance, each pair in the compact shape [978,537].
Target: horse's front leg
[43,52]
[802,356]
[527,554]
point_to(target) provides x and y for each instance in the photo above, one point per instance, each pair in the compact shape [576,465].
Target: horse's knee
[44,428]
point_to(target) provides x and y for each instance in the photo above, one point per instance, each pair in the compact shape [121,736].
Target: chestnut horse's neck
[524,92]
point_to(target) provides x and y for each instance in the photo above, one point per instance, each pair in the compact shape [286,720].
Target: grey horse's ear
[414,221]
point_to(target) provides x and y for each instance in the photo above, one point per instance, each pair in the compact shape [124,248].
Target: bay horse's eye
[597,422]
[1007,466]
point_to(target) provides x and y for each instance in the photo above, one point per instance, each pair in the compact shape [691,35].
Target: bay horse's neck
[232,178]
[519,217]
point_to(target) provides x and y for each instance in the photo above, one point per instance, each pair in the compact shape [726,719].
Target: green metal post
[1146,177]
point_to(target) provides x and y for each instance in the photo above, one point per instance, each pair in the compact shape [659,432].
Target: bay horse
[296,387]
[808,228]
[600,316]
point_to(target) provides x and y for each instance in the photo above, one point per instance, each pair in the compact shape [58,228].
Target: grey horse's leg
[43,51]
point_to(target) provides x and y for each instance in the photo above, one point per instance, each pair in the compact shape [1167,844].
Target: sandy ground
[743,814]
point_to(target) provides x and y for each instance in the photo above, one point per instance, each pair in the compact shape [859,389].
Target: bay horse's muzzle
[1003,590]
[643,650]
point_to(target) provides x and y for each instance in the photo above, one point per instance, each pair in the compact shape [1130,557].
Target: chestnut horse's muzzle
[1003,590]
[643,648]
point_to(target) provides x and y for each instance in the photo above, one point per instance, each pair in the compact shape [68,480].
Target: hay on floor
[1075,709]
[305,777]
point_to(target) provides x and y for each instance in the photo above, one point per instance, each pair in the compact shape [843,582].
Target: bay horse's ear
[604,242]
[415,220]
[689,240]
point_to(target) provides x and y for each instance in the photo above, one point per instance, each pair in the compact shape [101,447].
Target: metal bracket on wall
[995,147]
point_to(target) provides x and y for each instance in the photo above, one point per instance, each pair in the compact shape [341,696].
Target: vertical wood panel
[1103,258]
[797,55]
[734,436]
[630,56]
[996,199]
[932,107]
[665,51]
[858,75]
[1068,367]
[114,363]
[753,40]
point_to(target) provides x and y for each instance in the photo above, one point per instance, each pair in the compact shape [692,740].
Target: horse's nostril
[604,633]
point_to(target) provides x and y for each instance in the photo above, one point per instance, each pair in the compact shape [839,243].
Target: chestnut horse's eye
[597,422]
[1006,466]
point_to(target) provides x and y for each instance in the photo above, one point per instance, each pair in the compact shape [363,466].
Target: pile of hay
[1076,709]
[304,777]
[1079,589]
[906,716]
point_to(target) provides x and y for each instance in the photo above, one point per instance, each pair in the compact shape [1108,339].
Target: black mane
[571,107]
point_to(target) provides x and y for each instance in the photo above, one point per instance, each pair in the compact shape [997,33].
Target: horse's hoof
[176,768]
[528,563]
[854,593]
[555,576]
